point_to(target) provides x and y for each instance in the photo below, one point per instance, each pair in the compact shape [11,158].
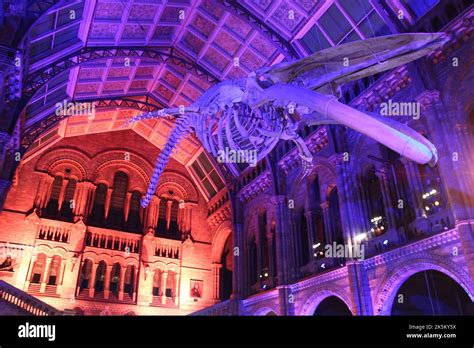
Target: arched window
[303,240]
[100,277]
[53,203]
[252,260]
[116,215]
[98,209]
[431,293]
[133,221]
[170,284]
[432,196]
[262,230]
[115,279]
[226,270]
[38,269]
[402,194]
[67,205]
[85,274]
[157,283]
[335,217]
[129,281]
[54,271]
[375,203]
[332,305]
[161,227]
[173,225]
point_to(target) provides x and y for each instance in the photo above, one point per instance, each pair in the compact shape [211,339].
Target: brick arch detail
[75,158]
[389,285]
[319,295]
[180,182]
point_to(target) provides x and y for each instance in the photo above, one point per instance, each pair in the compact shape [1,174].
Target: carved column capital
[428,97]
[278,199]
[324,205]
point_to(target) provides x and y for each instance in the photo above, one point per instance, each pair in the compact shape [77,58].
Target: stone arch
[51,251]
[116,158]
[178,182]
[172,267]
[265,311]
[458,100]
[218,242]
[321,165]
[51,161]
[318,296]
[389,286]
[158,265]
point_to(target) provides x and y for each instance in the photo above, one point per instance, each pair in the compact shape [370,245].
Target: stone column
[164,278]
[62,193]
[42,192]
[108,272]
[216,271]
[348,199]
[44,278]
[387,199]
[284,243]
[48,189]
[360,288]
[152,212]
[239,275]
[81,206]
[168,213]
[122,282]
[415,185]
[60,276]
[135,284]
[271,256]
[327,222]
[92,279]
[310,222]
[90,199]
[127,205]
[7,163]
[258,240]
[176,289]
[107,202]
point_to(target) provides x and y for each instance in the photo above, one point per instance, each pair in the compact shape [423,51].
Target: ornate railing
[24,301]
[167,248]
[113,240]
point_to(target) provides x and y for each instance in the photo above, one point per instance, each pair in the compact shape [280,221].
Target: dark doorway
[431,293]
[332,306]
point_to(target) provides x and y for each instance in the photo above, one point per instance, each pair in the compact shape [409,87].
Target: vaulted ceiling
[159,52]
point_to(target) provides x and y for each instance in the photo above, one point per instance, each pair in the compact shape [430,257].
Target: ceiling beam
[31,134]
[240,10]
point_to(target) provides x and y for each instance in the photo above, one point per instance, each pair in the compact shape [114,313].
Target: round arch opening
[431,293]
[332,306]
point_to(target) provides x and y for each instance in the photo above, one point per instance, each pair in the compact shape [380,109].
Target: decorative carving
[459,31]
[170,180]
[428,98]
[255,187]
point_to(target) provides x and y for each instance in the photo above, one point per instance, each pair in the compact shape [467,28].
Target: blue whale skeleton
[256,112]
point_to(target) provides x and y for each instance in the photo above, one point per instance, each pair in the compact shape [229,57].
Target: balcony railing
[167,248]
[24,301]
[113,240]
[48,230]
